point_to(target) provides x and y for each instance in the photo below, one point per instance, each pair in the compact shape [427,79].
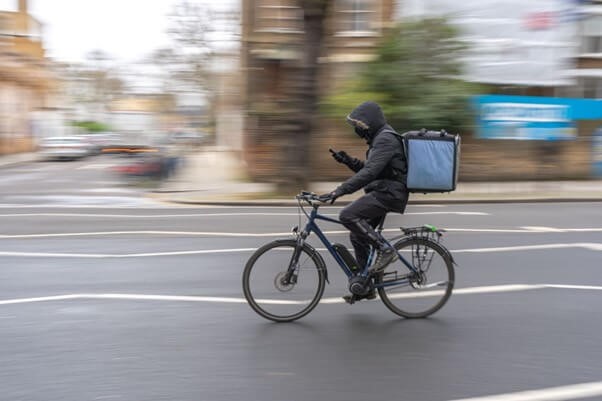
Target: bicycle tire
[274,258]
[389,298]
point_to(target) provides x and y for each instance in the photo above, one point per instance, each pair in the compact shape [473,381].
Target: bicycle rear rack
[426,231]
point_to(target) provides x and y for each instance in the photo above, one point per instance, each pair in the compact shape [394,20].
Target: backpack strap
[399,167]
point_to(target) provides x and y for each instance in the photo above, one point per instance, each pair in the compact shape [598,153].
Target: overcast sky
[125,29]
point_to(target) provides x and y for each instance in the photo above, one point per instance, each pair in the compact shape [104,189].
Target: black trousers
[369,209]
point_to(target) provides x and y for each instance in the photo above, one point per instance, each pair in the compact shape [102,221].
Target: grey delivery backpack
[433,159]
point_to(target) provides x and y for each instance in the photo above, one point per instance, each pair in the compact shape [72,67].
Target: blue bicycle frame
[311,226]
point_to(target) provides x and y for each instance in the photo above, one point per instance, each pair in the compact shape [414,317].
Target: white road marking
[575,287]
[160,205]
[144,216]
[148,216]
[459,291]
[490,230]
[146,297]
[588,246]
[191,298]
[584,245]
[561,230]
[542,229]
[456,213]
[118,256]
[230,234]
[572,392]
[527,230]
[155,205]
[177,233]
[38,299]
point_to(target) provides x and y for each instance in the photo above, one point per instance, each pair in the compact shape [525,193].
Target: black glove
[329,197]
[341,156]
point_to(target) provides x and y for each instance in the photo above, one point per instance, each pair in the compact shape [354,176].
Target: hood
[367,119]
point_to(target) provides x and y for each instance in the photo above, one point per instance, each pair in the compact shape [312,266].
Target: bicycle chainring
[359,285]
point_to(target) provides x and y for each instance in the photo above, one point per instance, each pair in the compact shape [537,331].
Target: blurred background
[131,129]
[269,83]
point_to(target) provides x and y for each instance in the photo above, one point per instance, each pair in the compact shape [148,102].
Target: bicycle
[284,280]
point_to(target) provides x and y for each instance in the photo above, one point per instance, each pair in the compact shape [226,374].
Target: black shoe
[383,258]
[370,295]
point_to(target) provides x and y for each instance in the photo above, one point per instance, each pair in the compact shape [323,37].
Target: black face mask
[360,132]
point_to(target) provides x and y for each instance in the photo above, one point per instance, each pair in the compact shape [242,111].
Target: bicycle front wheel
[419,294]
[268,292]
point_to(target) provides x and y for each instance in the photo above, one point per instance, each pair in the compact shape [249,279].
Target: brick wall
[481,159]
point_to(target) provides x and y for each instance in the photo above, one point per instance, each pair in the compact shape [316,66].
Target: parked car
[157,165]
[64,147]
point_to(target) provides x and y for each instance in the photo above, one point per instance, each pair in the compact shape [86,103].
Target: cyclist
[382,176]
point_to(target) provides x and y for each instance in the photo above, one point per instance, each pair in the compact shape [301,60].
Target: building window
[278,16]
[356,17]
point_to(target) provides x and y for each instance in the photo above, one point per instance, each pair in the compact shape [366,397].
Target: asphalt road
[84,182]
[143,301]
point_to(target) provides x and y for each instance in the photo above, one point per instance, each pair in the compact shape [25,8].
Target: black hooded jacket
[385,165]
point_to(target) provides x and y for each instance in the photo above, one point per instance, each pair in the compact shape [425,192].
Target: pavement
[217,176]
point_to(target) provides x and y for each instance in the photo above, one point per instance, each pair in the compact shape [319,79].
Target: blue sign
[532,118]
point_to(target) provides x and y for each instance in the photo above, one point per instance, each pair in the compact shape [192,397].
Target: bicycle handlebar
[310,197]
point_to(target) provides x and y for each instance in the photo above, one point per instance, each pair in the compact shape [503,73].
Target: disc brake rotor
[280,286]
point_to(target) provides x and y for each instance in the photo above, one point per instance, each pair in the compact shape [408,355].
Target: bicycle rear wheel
[265,290]
[417,295]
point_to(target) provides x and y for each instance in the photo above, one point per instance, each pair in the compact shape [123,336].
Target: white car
[64,147]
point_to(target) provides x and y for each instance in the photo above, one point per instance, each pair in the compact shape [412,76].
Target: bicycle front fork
[293,267]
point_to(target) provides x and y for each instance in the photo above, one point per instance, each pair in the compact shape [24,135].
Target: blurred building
[272,32]
[26,80]
[547,47]
[546,56]
[227,106]
[588,71]
[139,119]
[522,47]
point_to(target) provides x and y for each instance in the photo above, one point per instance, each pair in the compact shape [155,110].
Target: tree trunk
[302,94]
